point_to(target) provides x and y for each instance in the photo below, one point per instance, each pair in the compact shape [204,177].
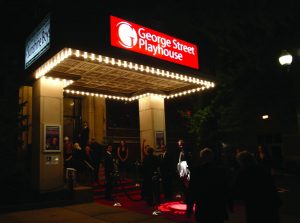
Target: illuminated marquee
[133,37]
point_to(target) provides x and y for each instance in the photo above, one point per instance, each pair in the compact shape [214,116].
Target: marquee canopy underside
[104,75]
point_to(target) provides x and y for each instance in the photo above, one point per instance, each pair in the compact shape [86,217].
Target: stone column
[48,167]
[152,119]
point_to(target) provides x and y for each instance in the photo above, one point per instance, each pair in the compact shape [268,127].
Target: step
[82,194]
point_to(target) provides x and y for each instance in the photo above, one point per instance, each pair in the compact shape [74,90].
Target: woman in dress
[122,156]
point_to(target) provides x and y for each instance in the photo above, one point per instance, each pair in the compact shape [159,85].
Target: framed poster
[159,140]
[52,138]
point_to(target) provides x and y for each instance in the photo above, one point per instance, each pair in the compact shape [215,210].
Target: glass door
[72,118]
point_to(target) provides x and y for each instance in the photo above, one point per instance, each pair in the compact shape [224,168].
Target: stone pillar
[152,120]
[47,110]
[94,112]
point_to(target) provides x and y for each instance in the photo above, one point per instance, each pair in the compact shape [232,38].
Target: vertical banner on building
[133,37]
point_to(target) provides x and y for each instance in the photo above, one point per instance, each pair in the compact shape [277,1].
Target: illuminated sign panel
[133,37]
[38,42]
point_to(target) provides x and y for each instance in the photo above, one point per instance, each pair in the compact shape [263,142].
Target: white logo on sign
[127,35]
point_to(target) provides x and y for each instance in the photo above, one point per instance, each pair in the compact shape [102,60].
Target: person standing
[166,170]
[184,163]
[122,156]
[77,161]
[96,156]
[149,175]
[84,135]
[208,190]
[256,188]
[263,159]
[109,172]
[68,149]
[183,153]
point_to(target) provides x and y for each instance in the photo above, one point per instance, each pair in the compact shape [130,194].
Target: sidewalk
[289,188]
[95,212]
[81,213]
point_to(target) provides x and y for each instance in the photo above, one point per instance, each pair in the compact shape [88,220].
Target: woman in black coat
[209,190]
[256,188]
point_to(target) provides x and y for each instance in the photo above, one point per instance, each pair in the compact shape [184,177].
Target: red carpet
[128,195]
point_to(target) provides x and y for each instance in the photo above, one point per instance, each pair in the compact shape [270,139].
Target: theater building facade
[77,65]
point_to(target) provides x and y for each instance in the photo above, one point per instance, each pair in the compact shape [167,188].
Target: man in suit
[96,156]
[166,170]
[84,135]
[149,172]
[109,171]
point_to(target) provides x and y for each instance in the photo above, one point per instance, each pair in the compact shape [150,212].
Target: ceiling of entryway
[104,75]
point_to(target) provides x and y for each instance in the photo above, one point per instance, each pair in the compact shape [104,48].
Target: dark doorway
[72,117]
[123,124]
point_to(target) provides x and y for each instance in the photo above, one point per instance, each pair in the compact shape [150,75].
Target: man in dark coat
[109,171]
[96,156]
[209,190]
[84,135]
[149,174]
[256,188]
[166,170]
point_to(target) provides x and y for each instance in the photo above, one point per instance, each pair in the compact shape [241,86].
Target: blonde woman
[77,158]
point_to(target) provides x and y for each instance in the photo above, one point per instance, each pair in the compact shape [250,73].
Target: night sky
[264,25]
[275,23]
[253,31]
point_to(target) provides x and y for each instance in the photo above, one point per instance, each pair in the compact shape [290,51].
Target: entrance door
[72,117]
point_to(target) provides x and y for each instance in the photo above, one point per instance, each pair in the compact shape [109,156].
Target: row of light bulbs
[137,97]
[65,82]
[53,62]
[142,68]
[67,52]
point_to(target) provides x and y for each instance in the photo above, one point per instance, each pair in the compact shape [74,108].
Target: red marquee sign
[133,37]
